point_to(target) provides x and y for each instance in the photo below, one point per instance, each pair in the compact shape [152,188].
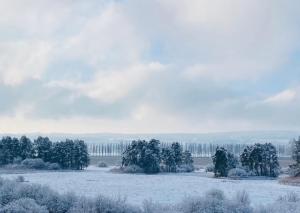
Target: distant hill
[224,137]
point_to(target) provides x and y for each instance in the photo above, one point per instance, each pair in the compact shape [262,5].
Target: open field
[164,188]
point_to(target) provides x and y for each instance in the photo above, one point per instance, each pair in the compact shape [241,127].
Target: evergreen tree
[151,157]
[177,149]
[296,151]
[220,162]
[143,154]
[168,159]
[26,148]
[42,146]
[295,168]
[223,162]
[262,159]
[187,158]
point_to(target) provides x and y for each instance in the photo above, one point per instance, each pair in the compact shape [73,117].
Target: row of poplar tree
[150,157]
[69,154]
[258,159]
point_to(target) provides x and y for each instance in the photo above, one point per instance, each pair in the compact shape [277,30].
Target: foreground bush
[23,205]
[16,197]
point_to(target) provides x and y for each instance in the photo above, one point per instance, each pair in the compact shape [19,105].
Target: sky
[159,66]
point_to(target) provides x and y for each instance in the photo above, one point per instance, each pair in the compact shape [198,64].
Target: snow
[163,188]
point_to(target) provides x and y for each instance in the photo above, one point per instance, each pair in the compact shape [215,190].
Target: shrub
[23,205]
[33,163]
[17,160]
[185,168]
[215,202]
[133,169]
[152,207]
[237,173]
[294,170]
[102,164]
[290,203]
[20,179]
[53,166]
[210,168]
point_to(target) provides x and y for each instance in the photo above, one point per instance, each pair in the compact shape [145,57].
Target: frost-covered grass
[163,188]
[19,197]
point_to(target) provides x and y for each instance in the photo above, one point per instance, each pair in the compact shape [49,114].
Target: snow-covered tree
[223,162]
[168,159]
[177,149]
[295,168]
[42,146]
[26,148]
[262,159]
[143,154]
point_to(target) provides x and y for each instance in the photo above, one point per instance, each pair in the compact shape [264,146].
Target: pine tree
[168,159]
[262,159]
[295,168]
[223,162]
[177,149]
[220,162]
[26,148]
[187,158]
[42,146]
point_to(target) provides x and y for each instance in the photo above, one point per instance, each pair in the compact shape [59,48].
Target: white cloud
[283,97]
[20,61]
[110,86]
[107,40]
[123,44]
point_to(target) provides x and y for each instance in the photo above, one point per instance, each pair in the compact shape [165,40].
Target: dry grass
[293,181]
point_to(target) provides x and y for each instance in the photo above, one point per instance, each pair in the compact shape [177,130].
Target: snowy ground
[164,188]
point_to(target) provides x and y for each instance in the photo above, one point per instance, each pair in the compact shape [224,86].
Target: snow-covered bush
[289,203]
[102,204]
[20,178]
[237,173]
[17,160]
[33,163]
[102,164]
[210,168]
[215,202]
[185,168]
[53,166]
[294,170]
[133,169]
[153,207]
[23,205]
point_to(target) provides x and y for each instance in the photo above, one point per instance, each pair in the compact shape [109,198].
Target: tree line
[196,149]
[152,158]
[69,154]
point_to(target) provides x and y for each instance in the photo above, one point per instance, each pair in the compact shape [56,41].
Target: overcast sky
[132,66]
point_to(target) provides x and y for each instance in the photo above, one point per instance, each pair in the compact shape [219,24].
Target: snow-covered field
[163,188]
